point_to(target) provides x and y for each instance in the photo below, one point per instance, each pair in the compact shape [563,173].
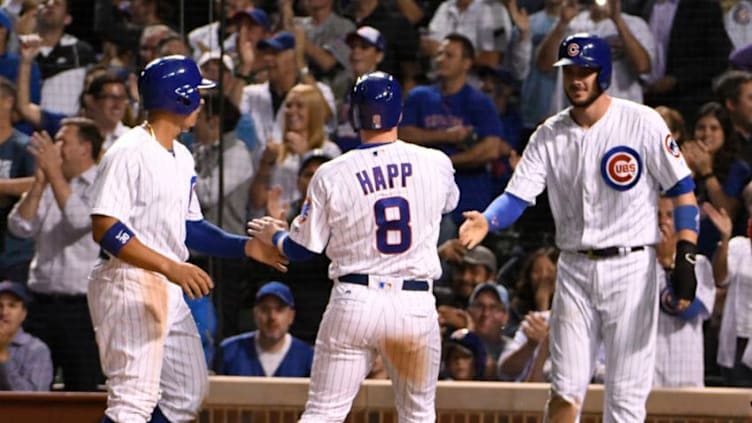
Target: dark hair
[525,292]
[731,148]
[230,113]
[468,51]
[728,85]
[96,85]
[7,87]
[88,132]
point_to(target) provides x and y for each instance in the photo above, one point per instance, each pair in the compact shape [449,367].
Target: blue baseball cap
[370,35]
[496,289]
[5,21]
[257,15]
[280,41]
[471,344]
[16,289]
[277,289]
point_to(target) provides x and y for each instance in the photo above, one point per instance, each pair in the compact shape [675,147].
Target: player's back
[382,206]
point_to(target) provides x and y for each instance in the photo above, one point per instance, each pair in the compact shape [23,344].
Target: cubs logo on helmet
[573,49]
[671,146]
[621,168]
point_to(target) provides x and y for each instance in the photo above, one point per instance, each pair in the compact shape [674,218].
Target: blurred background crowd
[477,78]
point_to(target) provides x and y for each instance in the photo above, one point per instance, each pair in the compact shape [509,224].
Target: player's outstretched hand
[264,228]
[266,253]
[473,229]
[194,281]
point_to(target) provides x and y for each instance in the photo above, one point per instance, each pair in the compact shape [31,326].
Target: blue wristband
[115,238]
[687,217]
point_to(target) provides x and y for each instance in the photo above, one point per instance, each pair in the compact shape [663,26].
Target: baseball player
[604,161]
[376,210]
[145,215]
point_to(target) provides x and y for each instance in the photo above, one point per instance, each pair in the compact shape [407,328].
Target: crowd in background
[477,77]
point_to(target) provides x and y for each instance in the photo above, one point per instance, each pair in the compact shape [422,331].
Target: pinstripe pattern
[341,218]
[148,342]
[614,301]
[603,184]
[362,320]
[567,159]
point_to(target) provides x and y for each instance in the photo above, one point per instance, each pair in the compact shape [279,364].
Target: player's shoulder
[129,143]
[740,243]
[432,154]
[631,109]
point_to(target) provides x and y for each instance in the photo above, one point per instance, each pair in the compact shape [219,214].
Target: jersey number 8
[393,232]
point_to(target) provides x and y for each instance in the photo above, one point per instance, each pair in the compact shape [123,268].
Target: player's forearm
[16,186]
[686,234]
[488,149]
[134,252]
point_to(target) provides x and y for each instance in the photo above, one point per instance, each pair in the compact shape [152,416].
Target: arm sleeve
[311,228]
[504,211]
[206,238]
[292,249]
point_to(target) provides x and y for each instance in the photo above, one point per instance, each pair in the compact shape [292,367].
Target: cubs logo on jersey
[621,168]
[671,146]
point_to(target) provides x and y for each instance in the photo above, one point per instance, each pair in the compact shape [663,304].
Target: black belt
[407,284]
[610,252]
[59,298]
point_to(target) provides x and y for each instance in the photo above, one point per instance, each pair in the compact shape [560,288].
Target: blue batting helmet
[375,102]
[589,51]
[171,84]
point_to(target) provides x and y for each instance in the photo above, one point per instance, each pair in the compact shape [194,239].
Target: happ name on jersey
[378,178]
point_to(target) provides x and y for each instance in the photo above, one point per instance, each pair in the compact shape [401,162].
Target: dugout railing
[268,400]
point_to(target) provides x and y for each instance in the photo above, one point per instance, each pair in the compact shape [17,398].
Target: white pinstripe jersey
[377,210]
[603,182]
[150,190]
